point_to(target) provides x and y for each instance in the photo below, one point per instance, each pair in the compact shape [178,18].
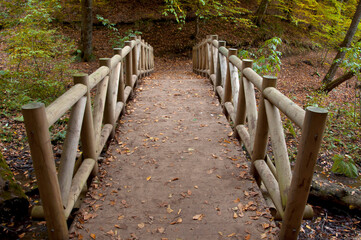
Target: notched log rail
[92,125]
[235,82]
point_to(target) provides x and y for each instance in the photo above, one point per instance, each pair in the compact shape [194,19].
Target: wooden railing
[91,124]
[235,82]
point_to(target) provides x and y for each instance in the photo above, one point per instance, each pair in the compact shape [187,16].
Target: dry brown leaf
[198,217]
[169,210]
[149,177]
[111,233]
[235,215]
[120,217]
[237,200]
[247,237]
[160,229]
[265,225]
[189,192]
[93,236]
[231,235]
[218,176]
[141,225]
[80,237]
[179,220]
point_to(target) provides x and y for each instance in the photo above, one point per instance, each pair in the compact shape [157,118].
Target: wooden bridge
[191,161]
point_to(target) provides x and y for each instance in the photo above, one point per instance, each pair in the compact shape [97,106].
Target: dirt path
[174,172]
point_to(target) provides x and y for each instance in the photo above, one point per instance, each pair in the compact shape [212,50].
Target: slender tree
[87,29]
[345,44]
[261,11]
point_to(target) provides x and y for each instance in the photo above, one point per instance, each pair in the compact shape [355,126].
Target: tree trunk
[333,84]
[196,33]
[323,193]
[345,44]
[87,29]
[261,11]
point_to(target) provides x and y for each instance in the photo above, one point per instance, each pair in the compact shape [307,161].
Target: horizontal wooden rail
[235,82]
[114,82]
[61,105]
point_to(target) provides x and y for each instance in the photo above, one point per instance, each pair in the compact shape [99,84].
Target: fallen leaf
[148,178]
[92,235]
[21,235]
[247,237]
[179,211]
[237,200]
[231,235]
[141,225]
[189,192]
[111,233]
[120,217]
[235,215]
[179,220]
[196,187]
[210,171]
[265,225]
[169,210]
[160,229]
[218,176]
[198,217]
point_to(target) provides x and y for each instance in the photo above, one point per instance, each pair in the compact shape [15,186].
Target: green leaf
[344,165]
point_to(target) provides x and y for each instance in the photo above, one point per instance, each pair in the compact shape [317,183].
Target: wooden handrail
[59,192]
[255,127]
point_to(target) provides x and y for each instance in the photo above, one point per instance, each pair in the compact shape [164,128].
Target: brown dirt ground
[173,171]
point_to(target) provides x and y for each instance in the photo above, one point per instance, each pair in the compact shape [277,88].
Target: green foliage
[352,60]
[342,131]
[39,57]
[326,21]
[116,38]
[343,164]
[206,9]
[267,58]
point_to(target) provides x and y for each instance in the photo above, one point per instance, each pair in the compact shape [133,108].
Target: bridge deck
[173,172]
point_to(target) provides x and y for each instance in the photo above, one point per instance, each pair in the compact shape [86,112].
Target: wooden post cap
[232,51]
[79,75]
[117,51]
[221,43]
[33,105]
[317,110]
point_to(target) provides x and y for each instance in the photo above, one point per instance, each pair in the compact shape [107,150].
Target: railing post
[120,97]
[128,65]
[212,70]
[109,108]
[134,57]
[87,135]
[241,106]
[207,50]
[312,131]
[142,57]
[261,136]
[228,85]
[37,129]
[218,68]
